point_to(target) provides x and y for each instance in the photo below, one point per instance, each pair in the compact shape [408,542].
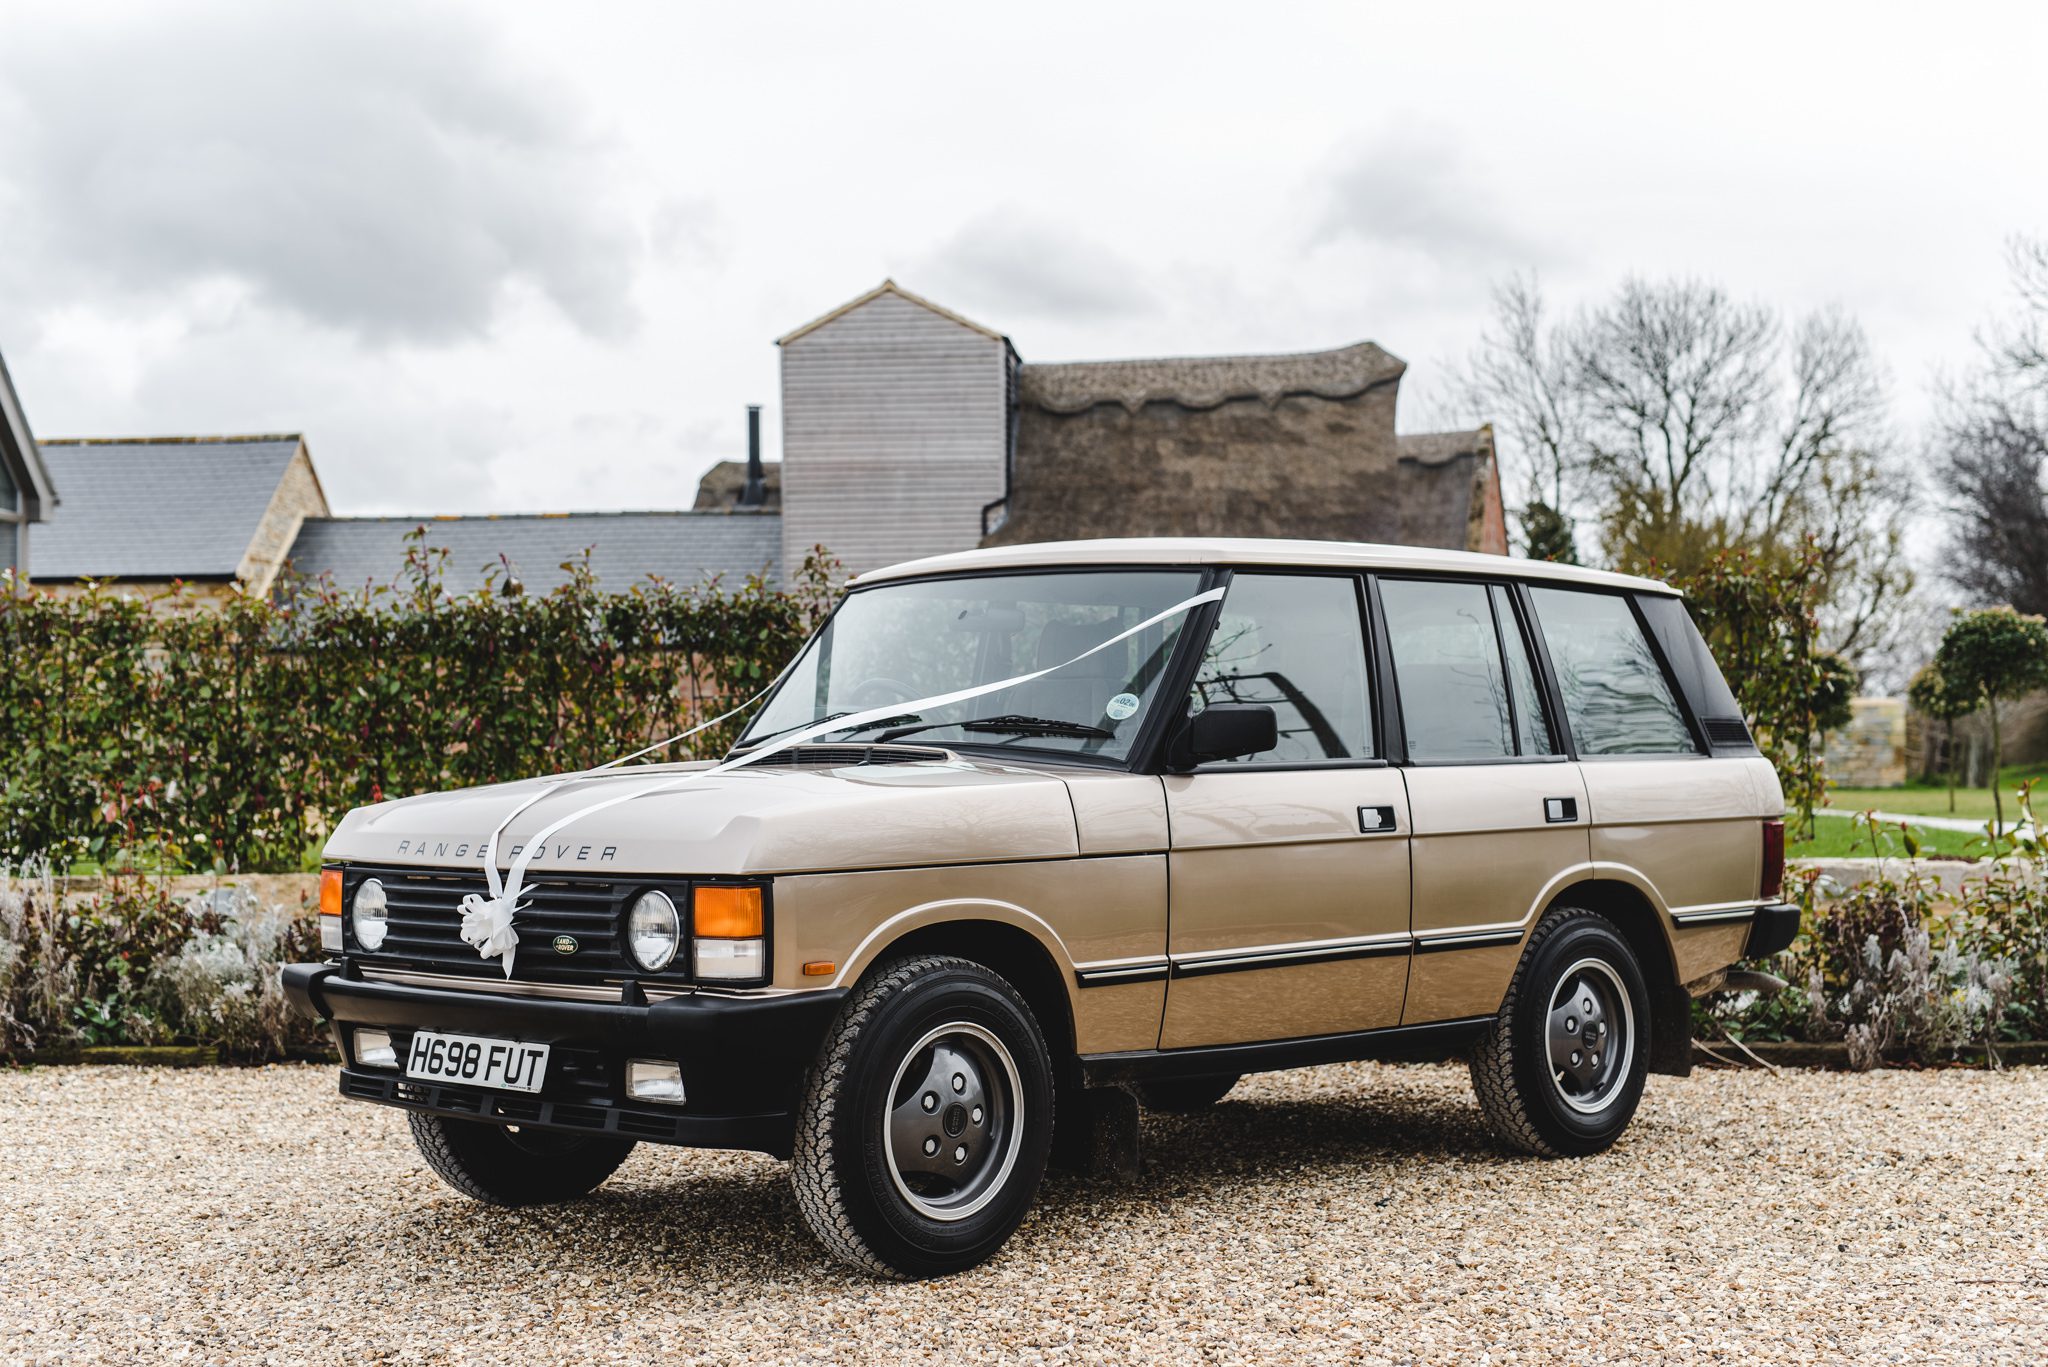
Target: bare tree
[1992,453]
[1993,460]
[1521,376]
[1682,422]
[2020,346]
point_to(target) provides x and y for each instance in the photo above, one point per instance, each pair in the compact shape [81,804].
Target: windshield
[900,642]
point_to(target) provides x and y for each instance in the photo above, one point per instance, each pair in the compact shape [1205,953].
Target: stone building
[218,514]
[910,430]
[907,430]
[1276,446]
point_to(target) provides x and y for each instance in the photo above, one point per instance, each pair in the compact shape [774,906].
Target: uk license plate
[505,1065]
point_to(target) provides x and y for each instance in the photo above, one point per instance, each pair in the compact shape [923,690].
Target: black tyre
[1184,1095]
[507,1166]
[1560,1071]
[926,1120]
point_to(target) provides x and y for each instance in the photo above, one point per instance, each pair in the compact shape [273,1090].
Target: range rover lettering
[1023,833]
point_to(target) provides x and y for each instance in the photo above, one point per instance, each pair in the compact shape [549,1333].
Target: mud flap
[1096,1135]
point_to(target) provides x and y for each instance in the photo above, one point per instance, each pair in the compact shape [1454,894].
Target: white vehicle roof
[1226,550]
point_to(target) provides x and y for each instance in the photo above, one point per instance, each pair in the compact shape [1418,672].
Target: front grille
[426,923]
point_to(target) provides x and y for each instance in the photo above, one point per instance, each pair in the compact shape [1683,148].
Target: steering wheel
[880,691]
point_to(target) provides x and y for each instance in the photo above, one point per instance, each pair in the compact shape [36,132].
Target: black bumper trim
[1772,932]
[767,1133]
[743,1057]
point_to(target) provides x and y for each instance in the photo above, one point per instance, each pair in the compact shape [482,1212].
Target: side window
[1447,663]
[1615,694]
[1297,644]
[1532,732]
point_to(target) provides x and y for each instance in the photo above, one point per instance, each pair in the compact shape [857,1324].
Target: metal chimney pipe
[757,479]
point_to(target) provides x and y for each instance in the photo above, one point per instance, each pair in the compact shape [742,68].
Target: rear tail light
[1772,885]
[729,927]
[330,911]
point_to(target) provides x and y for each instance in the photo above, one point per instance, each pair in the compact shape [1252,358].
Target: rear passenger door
[1498,809]
[1659,805]
[1289,869]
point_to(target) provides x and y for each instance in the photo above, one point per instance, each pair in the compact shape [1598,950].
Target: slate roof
[684,548]
[157,507]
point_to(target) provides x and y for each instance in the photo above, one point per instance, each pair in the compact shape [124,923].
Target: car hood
[770,819]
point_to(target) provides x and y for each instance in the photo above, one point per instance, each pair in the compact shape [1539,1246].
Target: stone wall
[1870,752]
[298,497]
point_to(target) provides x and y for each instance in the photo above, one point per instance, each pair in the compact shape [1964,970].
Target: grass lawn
[1923,799]
[1837,837]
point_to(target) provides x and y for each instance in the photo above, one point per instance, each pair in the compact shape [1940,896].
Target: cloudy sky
[534,256]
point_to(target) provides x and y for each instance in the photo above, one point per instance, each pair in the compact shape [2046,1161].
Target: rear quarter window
[1616,696]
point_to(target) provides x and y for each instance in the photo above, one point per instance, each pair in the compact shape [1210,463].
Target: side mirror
[1225,731]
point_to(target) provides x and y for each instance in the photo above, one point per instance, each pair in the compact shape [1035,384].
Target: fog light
[653,1079]
[369,915]
[732,958]
[374,1049]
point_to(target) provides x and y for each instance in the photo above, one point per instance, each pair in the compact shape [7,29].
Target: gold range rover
[1311,802]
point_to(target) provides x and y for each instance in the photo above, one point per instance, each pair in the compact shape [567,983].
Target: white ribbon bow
[487,926]
[487,921]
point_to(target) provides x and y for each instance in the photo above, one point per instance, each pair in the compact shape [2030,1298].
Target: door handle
[1377,821]
[1560,809]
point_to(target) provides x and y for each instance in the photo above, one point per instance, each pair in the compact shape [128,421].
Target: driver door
[1288,870]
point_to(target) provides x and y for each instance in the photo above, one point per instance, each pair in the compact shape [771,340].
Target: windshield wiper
[753,741]
[1009,725]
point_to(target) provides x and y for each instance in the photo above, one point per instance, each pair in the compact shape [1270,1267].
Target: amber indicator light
[728,913]
[330,892]
[820,968]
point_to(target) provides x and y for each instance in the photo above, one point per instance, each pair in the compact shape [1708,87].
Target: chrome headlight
[654,931]
[368,915]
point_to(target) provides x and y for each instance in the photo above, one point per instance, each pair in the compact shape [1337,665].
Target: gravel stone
[1357,1213]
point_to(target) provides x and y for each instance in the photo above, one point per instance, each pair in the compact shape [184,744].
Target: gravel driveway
[1344,1213]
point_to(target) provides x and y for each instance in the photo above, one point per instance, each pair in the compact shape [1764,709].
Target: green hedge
[173,733]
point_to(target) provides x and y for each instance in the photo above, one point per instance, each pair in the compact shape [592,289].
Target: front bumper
[742,1058]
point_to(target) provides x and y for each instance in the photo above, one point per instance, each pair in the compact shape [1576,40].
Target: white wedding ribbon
[487,921]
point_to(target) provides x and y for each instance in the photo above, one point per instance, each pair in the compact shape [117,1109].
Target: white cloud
[1412,187]
[1011,263]
[386,171]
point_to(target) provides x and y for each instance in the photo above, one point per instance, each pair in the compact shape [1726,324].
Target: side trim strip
[1711,915]
[1432,1041]
[1116,974]
[1477,940]
[1239,961]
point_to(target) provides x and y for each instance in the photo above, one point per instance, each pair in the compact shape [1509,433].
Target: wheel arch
[1007,949]
[1643,925]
